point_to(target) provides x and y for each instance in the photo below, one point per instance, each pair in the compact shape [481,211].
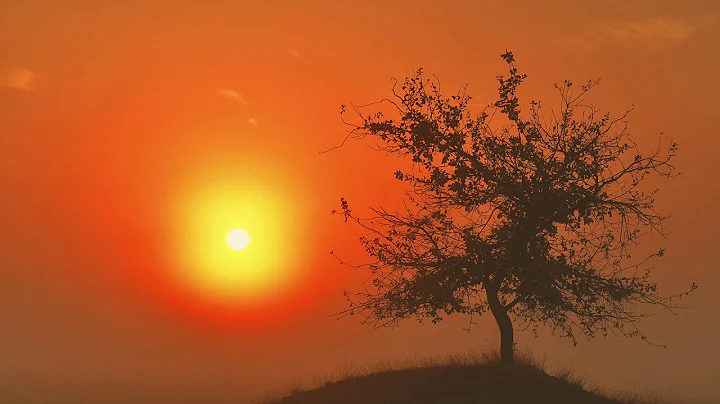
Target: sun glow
[238,239]
[215,256]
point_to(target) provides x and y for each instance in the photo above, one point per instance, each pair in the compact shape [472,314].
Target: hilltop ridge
[477,380]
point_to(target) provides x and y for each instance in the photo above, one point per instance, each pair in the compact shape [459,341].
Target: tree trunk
[507,343]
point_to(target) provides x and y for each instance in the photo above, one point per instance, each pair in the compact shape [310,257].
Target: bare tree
[532,220]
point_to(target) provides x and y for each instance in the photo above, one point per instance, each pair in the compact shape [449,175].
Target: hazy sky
[124,124]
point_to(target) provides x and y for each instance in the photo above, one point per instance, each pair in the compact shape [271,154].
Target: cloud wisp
[294,53]
[18,79]
[232,95]
[654,33]
[649,35]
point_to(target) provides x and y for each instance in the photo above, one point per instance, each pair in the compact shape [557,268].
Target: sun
[238,239]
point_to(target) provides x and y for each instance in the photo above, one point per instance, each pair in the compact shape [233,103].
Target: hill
[452,382]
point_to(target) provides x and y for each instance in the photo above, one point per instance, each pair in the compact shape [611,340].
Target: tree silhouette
[532,220]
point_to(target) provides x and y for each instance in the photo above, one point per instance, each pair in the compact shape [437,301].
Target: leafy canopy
[542,210]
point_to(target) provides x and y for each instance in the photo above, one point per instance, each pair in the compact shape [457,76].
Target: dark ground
[451,384]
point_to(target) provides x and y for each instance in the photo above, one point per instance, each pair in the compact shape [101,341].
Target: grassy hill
[457,380]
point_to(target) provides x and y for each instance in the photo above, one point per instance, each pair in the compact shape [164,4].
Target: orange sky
[110,118]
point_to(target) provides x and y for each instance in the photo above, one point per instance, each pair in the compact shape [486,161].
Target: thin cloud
[18,79]
[232,95]
[655,32]
[651,34]
[294,53]
[253,122]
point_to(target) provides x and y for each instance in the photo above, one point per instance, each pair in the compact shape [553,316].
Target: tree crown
[540,210]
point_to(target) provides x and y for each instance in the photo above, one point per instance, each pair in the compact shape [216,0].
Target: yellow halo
[238,239]
[208,209]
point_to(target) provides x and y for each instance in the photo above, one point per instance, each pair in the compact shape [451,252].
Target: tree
[532,220]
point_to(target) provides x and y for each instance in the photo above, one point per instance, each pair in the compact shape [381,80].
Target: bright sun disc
[238,239]
[216,216]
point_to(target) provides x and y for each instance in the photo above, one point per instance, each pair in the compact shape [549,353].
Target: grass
[477,378]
